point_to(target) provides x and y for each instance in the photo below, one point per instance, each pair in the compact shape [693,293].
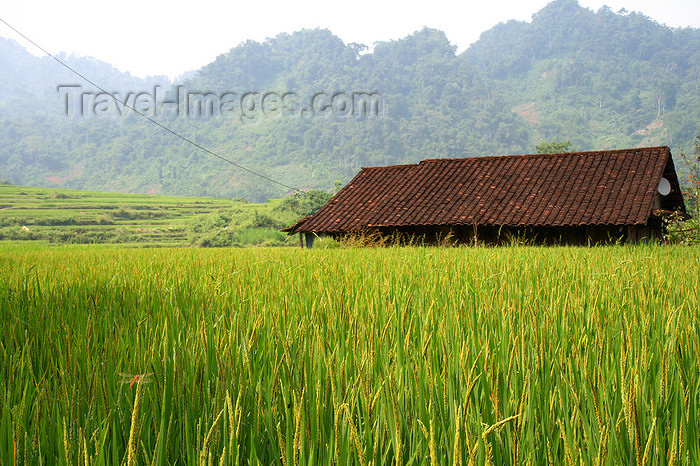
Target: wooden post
[301,240]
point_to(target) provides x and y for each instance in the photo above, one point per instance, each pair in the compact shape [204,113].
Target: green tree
[306,203]
[554,147]
[687,231]
[691,182]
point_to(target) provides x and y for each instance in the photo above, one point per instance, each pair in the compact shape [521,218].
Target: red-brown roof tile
[615,187]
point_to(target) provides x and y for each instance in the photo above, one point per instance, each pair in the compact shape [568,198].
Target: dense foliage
[255,224]
[598,79]
[553,147]
[687,231]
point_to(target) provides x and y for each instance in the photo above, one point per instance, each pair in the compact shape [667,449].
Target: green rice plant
[416,355]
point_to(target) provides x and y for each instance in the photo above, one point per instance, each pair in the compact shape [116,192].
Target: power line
[155,122]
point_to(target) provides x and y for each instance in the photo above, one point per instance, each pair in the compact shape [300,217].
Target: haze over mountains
[599,79]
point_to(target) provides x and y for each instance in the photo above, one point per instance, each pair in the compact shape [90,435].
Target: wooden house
[571,198]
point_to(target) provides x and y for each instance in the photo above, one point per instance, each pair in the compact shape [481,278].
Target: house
[571,198]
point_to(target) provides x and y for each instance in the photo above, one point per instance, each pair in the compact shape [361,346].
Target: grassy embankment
[350,356]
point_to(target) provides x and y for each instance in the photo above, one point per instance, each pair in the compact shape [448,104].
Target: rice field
[513,355]
[63,216]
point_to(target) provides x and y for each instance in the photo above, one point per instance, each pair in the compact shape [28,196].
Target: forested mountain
[23,75]
[599,79]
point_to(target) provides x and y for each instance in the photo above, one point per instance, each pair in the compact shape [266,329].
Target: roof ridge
[559,154]
[384,167]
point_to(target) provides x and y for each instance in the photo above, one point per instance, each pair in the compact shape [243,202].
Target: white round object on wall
[664,187]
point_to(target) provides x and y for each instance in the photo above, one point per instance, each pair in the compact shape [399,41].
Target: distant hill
[599,79]
[25,75]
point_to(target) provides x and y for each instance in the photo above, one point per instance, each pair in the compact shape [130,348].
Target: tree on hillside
[688,231]
[691,183]
[552,147]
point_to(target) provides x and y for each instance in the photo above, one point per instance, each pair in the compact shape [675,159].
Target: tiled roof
[614,187]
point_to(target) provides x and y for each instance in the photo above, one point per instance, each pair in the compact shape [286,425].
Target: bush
[220,239]
[258,237]
[264,221]
[18,233]
[326,242]
[137,213]
[236,227]
[688,231]
[305,203]
[683,232]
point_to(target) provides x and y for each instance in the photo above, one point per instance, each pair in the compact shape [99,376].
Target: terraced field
[70,216]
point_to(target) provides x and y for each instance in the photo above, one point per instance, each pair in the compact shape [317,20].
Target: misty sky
[169,38]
